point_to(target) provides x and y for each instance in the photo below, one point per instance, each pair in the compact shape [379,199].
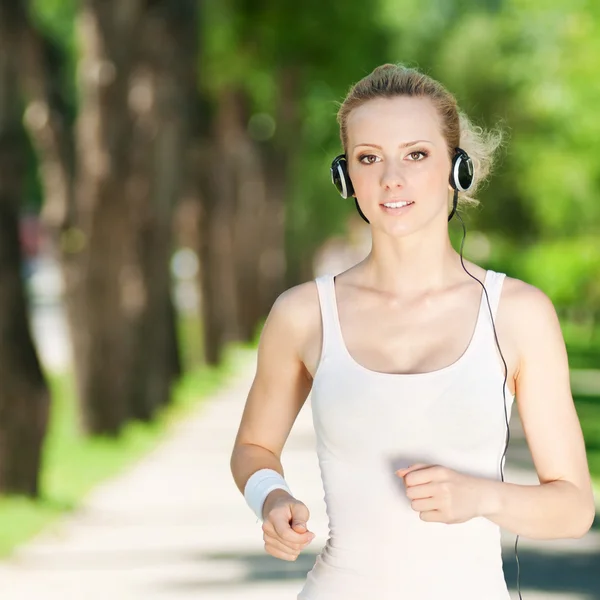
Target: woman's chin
[396,228]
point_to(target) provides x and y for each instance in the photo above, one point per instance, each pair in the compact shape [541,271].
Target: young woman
[414,357]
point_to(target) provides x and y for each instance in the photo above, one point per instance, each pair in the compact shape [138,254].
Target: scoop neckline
[425,374]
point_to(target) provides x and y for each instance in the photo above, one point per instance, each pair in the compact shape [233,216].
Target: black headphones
[461,177]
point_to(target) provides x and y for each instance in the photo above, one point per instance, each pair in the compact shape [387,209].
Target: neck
[413,265]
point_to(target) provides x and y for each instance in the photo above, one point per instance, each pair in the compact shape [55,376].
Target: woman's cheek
[366,180]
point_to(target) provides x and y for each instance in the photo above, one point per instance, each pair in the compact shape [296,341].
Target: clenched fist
[284,525]
[443,495]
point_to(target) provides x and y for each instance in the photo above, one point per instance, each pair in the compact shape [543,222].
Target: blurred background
[164,176]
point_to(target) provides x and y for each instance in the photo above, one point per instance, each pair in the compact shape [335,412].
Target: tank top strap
[484,332]
[494,290]
[326,293]
[485,353]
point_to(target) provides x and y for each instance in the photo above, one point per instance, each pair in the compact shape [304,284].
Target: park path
[175,527]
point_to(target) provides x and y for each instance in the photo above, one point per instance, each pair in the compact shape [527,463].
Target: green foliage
[588,411]
[56,21]
[566,269]
[58,16]
[583,347]
[527,66]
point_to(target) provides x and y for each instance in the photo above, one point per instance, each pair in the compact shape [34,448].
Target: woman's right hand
[284,525]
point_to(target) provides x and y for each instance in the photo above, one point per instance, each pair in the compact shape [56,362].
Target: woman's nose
[393,176]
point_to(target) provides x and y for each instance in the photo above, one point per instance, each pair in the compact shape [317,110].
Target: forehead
[394,120]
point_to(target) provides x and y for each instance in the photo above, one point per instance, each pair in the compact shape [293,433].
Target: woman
[411,394]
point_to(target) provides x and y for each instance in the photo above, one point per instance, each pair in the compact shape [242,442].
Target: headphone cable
[505,373]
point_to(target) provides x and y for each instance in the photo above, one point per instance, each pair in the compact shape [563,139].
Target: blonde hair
[390,80]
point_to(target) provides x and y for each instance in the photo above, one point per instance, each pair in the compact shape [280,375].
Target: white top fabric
[368,424]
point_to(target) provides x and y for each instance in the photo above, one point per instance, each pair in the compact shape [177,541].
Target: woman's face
[396,153]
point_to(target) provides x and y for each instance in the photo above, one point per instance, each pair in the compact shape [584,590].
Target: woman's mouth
[395,208]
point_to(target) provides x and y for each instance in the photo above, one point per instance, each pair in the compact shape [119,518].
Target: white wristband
[260,485]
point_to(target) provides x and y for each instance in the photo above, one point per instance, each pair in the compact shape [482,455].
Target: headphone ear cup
[461,174]
[340,177]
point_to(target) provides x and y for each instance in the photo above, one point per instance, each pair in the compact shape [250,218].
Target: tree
[24,395]
[271,75]
[162,89]
[110,184]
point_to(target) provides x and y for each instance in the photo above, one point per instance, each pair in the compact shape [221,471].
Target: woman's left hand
[443,495]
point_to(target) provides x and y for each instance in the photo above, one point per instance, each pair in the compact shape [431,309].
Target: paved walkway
[175,527]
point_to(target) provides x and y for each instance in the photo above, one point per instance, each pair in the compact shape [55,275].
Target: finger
[289,545]
[434,516]
[290,536]
[284,546]
[281,550]
[406,470]
[286,533]
[273,551]
[267,526]
[425,490]
[423,504]
[420,476]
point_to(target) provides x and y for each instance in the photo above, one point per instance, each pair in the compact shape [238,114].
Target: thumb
[299,527]
[299,518]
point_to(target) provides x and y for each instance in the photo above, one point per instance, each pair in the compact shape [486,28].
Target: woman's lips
[396,211]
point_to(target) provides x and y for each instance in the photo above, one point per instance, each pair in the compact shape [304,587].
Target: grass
[73,464]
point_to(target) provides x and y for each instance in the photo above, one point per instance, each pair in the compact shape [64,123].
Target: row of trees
[128,108]
[123,112]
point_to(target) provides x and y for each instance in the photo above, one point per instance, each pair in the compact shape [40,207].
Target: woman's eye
[418,152]
[371,159]
[368,159]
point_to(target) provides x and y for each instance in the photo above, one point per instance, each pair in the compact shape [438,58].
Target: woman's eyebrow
[403,145]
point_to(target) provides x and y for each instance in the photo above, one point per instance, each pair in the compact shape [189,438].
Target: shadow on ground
[577,574]
[559,573]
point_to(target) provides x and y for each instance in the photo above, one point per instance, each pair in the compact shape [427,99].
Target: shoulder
[297,298]
[525,303]
[296,309]
[530,317]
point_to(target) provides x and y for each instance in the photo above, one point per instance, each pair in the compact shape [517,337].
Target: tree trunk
[249,220]
[162,90]
[216,163]
[174,352]
[24,396]
[250,216]
[51,136]
[277,157]
[250,181]
[106,30]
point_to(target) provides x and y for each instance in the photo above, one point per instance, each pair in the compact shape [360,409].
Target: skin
[412,292]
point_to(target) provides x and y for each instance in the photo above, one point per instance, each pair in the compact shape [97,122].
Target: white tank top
[368,424]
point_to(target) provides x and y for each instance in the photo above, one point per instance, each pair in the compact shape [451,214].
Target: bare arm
[278,392]
[562,506]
